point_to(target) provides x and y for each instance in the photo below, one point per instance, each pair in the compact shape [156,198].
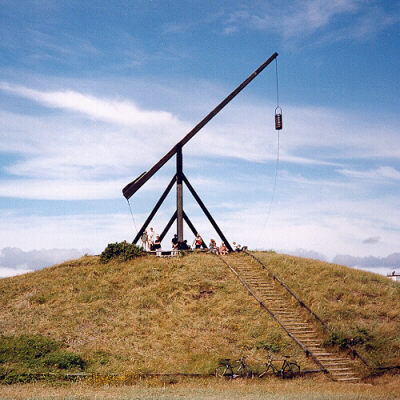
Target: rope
[133,219]
[275,184]
[278,151]
[277,82]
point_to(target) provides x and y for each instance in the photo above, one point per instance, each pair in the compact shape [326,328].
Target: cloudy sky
[94,93]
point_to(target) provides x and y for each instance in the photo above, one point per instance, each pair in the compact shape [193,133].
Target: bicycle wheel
[220,371]
[224,372]
[244,372]
[247,372]
[290,370]
[264,372]
[295,368]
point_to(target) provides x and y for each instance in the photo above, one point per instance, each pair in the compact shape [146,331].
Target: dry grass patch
[387,388]
[144,315]
[358,305]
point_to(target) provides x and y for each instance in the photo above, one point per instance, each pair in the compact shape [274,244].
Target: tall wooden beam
[132,187]
[179,194]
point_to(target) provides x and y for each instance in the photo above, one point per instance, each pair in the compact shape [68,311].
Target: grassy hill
[181,314]
[357,305]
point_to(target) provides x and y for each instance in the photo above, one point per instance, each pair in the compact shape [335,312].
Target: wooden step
[289,315]
[340,369]
[349,380]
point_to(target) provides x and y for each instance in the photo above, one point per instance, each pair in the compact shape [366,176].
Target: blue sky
[92,95]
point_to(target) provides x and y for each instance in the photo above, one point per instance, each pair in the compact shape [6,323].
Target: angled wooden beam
[132,187]
[168,226]
[155,209]
[193,229]
[207,213]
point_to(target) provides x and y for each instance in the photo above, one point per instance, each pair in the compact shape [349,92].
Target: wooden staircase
[273,298]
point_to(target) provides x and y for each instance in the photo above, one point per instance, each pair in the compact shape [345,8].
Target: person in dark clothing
[157,243]
[174,241]
[182,245]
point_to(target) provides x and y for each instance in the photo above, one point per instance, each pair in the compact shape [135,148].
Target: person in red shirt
[198,241]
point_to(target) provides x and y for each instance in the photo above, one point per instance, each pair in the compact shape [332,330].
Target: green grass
[24,356]
[183,314]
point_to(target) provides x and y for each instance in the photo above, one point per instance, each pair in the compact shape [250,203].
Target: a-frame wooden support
[179,215]
[132,187]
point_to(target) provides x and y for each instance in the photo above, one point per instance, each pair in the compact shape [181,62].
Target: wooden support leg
[155,209]
[207,213]
[193,229]
[168,226]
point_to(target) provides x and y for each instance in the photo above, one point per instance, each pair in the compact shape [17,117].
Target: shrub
[23,358]
[26,348]
[270,347]
[63,360]
[122,251]
[360,336]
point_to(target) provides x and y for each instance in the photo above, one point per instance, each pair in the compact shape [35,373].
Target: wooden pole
[179,194]
[132,187]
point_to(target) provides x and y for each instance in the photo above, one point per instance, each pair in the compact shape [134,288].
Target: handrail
[302,304]
[305,349]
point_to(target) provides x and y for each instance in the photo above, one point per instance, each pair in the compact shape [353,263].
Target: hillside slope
[183,314]
[149,314]
[359,306]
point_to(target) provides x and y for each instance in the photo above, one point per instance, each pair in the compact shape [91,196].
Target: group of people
[213,248]
[179,244]
[151,242]
[222,249]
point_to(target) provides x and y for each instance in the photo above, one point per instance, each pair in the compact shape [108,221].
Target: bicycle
[288,369]
[239,369]
[243,370]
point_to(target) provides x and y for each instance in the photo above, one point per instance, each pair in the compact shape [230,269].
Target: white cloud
[15,261]
[66,156]
[392,261]
[298,20]
[380,175]
[115,111]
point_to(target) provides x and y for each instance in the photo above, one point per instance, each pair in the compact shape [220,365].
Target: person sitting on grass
[223,249]
[198,241]
[213,247]
[182,245]
[237,247]
[174,242]
[157,243]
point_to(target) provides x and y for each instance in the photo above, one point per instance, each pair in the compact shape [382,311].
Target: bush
[26,348]
[24,358]
[360,336]
[122,251]
[63,360]
[270,347]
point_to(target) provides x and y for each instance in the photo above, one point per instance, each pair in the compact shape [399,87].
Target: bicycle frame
[288,369]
